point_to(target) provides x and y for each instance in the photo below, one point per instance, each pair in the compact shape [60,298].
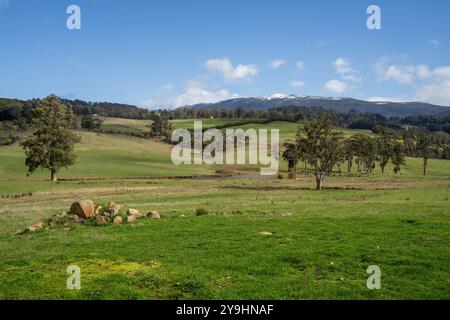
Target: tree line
[14,110]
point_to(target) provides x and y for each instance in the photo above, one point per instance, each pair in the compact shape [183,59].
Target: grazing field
[98,156]
[142,126]
[260,238]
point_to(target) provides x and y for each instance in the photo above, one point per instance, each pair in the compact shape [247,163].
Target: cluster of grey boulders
[83,211]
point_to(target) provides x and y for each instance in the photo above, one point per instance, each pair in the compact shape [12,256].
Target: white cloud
[442,72]
[229,72]
[407,74]
[195,93]
[423,71]
[335,86]
[300,65]
[275,64]
[431,85]
[345,70]
[402,74]
[297,84]
[343,66]
[436,93]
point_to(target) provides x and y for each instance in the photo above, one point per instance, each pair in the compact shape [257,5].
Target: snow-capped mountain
[385,108]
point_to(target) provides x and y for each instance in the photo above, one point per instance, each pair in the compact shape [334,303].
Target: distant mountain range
[385,108]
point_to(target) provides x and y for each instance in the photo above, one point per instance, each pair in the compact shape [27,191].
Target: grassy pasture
[320,246]
[119,125]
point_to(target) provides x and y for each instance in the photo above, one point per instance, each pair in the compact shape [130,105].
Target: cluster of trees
[432,123]
[160,127]
[439,142]
[324,149]
[107,109]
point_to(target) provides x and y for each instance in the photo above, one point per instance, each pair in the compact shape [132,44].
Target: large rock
[35,227]
[131,219]
[134,212]
[101,220]
[118,220]
[98,210]
[153,215]
[84,209]
[114,210]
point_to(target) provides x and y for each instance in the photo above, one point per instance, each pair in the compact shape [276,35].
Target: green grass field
[319,247]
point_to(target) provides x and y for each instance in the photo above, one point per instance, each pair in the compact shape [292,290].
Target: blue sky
[170,53]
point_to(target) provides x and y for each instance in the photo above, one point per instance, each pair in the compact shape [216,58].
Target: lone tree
[365,152]
[51,145]
[398,156]
[349,153]
[323,147]
[425,148]
[385,145]
[91,122]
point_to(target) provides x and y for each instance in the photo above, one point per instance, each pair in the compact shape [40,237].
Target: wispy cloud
[277,63]
[345,70]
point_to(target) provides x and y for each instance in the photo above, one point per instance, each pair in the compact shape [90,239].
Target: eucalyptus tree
[51,146]
[322,146]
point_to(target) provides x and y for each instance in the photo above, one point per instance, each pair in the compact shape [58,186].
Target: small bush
[201,212]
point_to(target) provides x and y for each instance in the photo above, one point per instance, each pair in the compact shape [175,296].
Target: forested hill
[11,109]
[341,105]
